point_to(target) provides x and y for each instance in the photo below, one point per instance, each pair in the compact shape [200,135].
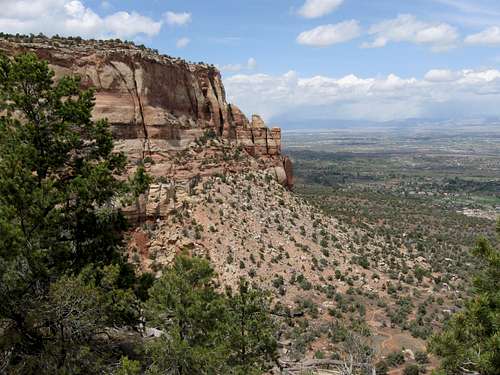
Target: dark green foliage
[411,370]
[128,367]
[57,168]
[381,368]
[338,333]
[421,358]
[184,303]
[395,359]
[419,273]
[144,282]
[207,332]
[206,136]
[251,335]
[62,276]
[470,341]
[362,261]
[140,181]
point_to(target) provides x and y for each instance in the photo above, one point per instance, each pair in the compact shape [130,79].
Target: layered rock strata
[152,98]
[161,109]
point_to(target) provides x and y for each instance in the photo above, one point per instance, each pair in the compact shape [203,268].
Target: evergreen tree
[62,275]
[470,342]
[252,342]
[64,280]
[185,306]
[204,331]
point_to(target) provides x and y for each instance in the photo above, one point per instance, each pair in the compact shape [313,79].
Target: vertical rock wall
[159,108]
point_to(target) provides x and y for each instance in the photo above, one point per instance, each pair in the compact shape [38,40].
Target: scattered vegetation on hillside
[357,270]
[470,341]
[71,303]
[424,208]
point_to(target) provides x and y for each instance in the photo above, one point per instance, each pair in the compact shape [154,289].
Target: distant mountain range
[482,124]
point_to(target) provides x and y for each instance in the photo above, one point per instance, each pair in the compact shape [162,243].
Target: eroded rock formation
[167,113]
[152,98]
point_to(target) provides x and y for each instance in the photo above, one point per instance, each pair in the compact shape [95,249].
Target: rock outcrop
[154,103]
[164,112]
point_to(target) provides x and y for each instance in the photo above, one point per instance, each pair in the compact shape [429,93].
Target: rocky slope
[327,277]
[218,192]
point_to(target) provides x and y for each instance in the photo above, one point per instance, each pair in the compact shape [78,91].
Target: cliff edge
[166,113]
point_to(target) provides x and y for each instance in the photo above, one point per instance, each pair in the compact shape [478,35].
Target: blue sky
[351,59]
[227,32]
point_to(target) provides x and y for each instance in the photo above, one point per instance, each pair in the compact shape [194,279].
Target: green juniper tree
[184,305]
[470,342]
[63,278]
[252,331]
[204,331]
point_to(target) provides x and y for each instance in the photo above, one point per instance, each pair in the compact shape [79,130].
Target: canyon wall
[165,113]
[155,104]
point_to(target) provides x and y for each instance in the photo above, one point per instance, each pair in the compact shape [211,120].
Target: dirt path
[388,337]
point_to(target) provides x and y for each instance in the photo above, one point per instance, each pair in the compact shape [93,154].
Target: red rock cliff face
[152,102]
[159,109]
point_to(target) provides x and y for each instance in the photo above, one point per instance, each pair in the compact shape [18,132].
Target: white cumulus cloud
[251,64]
[182,42]
[26,9]
[326,35]
[489,37]
[440,75]
[406,28]
[178,19]
[439,93]
[72,17]
[130,24]
[318,8]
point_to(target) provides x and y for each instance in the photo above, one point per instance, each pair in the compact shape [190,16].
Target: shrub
[411,370]
[395,359]
[421,357]
[381,368]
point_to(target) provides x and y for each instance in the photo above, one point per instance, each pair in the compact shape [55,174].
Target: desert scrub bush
[278,281]
[420,329]
[136,259]
[308,306]
[362,261]
[395,359]
[381,368]
[421,357]
[303,282]
[318,354]
[329,291]
[337,332]
[412,369]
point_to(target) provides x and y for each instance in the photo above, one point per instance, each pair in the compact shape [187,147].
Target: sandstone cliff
[167,113]
[151,97]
